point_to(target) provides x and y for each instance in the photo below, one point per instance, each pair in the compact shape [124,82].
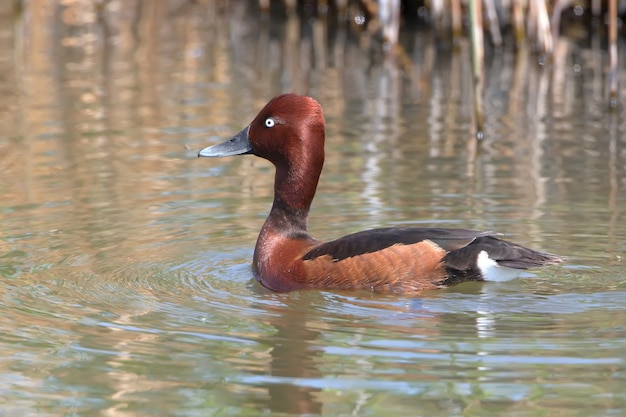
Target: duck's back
[409,259]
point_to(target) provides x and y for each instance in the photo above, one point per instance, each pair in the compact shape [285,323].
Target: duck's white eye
[270,122]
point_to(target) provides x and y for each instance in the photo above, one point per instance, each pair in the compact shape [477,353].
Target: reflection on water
[124,261]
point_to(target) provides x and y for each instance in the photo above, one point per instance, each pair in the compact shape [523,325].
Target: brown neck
[293,194]
[294,189]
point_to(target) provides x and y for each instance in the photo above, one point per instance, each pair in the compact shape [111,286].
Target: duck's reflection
[294,360]
[296,381]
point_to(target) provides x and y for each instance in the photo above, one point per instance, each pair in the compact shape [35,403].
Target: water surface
[125,278]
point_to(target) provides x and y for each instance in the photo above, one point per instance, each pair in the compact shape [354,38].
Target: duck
[289,132]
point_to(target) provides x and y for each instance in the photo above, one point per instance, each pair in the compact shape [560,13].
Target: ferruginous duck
[289,132]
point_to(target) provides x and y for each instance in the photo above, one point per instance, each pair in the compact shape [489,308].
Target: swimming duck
[289,132]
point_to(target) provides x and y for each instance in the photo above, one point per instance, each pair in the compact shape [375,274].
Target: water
[125,277]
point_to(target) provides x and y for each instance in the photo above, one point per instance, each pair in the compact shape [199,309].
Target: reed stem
[612,79]
[478,54]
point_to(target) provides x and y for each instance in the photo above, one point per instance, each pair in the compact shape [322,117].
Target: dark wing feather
[378,239]
[505,253]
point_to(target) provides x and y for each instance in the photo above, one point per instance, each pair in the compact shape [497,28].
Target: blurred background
[125,278]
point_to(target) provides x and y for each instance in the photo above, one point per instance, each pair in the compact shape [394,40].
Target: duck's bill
[237,145]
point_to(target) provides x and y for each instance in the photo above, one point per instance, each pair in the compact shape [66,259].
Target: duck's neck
[294,189]
[287,220]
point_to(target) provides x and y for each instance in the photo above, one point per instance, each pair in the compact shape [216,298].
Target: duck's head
[289,129]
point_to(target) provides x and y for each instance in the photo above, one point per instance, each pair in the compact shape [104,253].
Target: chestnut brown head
[289,129]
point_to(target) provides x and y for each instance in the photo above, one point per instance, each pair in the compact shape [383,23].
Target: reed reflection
[122,85]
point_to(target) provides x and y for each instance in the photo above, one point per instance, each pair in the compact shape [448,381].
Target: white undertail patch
[491,271]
